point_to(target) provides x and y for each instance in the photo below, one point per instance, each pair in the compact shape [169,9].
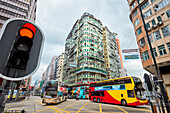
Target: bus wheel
[94,99]
[123,102]
[98,100]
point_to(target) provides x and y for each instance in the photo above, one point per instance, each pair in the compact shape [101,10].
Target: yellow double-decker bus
[126,91]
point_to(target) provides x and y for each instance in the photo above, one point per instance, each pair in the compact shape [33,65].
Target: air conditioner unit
[154,26]
[159,23]
[141,44]
[148,29]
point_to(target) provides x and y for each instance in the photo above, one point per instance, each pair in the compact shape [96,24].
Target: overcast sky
[57,17]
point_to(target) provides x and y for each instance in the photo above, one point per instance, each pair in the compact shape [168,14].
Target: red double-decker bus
[125,91]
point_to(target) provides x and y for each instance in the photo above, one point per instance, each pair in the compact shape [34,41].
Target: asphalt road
[34,105]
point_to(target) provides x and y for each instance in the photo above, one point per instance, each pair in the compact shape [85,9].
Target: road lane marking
[121,109]
[100,107]
[41,110]
[61,109]
[82,107]
[54,109]
[70,105]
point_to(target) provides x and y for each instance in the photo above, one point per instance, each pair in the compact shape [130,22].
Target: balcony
[91,69]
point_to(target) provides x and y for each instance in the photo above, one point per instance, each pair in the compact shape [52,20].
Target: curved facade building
[157,18]
[86,51]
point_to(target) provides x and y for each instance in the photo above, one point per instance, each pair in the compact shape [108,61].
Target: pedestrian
[23,111]
[28,97]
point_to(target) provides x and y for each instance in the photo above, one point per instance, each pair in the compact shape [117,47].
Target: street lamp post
[162,87]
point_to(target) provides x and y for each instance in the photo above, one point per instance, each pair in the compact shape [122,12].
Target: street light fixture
[162,87]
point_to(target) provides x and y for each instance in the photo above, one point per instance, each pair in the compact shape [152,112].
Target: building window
[136,22]
[144,5]
[162,50]
[139,31]
[159,19]
[142,42]
[145,55]
[168,44]
[133,5]
[161,4]
[150,38]
[147,25]
[135,13]
[154,52]
[165,31]
[147,14]
[153,22]
[168,13]
[157,35]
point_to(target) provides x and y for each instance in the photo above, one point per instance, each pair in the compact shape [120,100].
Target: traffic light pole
[162,87]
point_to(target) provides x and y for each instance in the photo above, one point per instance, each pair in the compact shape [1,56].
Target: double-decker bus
[125,91]
[78,91]
[54,93]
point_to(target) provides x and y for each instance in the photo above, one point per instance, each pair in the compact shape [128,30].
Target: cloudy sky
[56,18]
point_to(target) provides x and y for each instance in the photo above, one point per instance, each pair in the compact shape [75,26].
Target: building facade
[59,67]
[86,50]
[17,8]
[50,72]
[157,19]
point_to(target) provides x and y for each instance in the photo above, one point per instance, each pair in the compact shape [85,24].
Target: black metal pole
[162,87]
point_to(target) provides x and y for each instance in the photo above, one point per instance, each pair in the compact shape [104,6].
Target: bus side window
[102,93]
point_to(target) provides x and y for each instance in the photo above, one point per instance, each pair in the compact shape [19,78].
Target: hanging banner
[127,57]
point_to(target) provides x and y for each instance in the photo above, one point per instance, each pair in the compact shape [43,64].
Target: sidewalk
[15,100]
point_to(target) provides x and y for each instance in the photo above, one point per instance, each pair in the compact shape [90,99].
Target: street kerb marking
[121,109]
[54,109]
[82,107]
[70,105]
[100,107]
[61,109]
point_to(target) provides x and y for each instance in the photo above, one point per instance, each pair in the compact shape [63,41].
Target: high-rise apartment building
[157,18]
[90,52]
[50,72]
[17,8]
[59,67]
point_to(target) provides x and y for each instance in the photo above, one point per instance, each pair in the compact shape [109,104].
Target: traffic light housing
[20,47]
[148,81]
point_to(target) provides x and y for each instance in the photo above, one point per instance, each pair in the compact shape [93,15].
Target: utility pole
[162,87]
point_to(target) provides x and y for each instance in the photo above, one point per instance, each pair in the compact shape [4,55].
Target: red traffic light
[28,30]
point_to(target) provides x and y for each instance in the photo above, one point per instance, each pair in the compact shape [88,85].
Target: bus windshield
[139,90]
[51,89]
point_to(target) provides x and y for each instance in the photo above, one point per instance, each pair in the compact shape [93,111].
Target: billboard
[131,57]
[73,64]
[129,50]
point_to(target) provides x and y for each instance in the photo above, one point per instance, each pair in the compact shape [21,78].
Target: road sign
[129,50]
[127,57]
[20,48]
